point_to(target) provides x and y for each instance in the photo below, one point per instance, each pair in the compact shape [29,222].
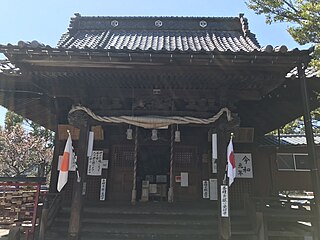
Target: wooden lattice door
[121,172]
[186,160]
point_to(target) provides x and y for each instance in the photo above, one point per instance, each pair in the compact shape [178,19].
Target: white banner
[184,179]
[90,144]
[224,201]
[243,165]
[103,188]
[213,185]
[205,189]
[95,163]
[214,146]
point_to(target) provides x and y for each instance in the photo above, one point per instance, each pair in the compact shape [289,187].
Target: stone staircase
[154,220]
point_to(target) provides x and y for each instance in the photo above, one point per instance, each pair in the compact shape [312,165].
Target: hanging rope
[134,187]
[170,193]
[153,122]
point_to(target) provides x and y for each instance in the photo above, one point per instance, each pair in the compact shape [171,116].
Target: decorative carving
[114,23]
[78,119]
[153,103]
[158,23]
[233,124]
[203,24]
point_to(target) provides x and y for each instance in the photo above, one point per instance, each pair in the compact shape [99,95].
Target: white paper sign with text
[243,165]
[224,201]
[95,163]
[103,188]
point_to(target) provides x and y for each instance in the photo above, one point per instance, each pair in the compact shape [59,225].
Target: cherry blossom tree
[24,153]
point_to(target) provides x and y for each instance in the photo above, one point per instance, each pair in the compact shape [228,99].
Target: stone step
[140,228]
[156,228]
[147,236]
[146,221]
[156,221]
[146,211]
[136,236]
[147,216]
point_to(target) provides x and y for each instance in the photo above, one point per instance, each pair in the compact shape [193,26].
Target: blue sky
[45,21]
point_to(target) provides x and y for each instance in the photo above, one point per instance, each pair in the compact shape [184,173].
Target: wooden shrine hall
[154,90]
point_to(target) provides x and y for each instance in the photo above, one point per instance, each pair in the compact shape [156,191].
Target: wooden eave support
[242,94]
[120,63]
[96,58]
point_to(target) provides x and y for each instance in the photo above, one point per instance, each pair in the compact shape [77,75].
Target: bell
[154,135]
[177,136]
[129,133]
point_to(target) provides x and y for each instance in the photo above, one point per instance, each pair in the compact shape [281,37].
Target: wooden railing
[284,203]
[51,207]
[19,202]
[281,216]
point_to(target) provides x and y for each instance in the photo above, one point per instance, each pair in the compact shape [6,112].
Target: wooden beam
[131,59]
[56,153]
[247,94]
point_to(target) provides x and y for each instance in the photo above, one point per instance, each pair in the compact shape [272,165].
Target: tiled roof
[6,67]
[180,34]
[287,140]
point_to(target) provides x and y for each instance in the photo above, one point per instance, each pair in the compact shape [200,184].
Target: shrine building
[160,98]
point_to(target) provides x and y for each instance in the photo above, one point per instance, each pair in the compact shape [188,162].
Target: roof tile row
[160,34]
[159,41]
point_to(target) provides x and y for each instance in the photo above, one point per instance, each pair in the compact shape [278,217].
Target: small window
[285,161]
[293,162]
[302,162]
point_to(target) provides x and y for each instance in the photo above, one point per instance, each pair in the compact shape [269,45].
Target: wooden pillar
[77,198]
[135,163]
[54,164]
[44,220]
[56,153]
[312,155]
[224,224]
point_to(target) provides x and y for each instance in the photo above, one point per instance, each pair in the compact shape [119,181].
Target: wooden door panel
[121,172]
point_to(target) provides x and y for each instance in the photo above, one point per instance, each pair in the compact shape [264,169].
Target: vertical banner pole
[134,187]
[170,192]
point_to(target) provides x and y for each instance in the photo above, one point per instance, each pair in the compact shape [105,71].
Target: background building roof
[287,140]
[6,67]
